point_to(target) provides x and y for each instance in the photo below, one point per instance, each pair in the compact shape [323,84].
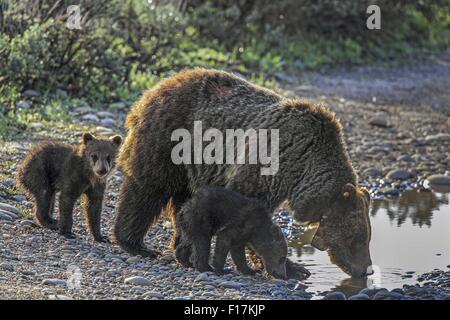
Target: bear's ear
[87,137]
[117,140]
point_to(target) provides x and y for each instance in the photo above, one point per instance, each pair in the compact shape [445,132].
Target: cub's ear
[87,137]
[117,140]
[348,190]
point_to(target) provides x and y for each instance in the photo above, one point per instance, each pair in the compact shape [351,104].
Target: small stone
[10,208]
[371,291]
[36,126]
[386,295]
[405,158]
[379,121]
[336,295]
[22,104]
[153,294]
[90,117]
[7,266]
[5,217]
[27,223]
[439,179]
[105,114]
[230,284]
[138,281]
[19,198]
[31,93]
[61,93]
[372,172]
[118,106]
[398,175]
[54,282]
[134,259]
[440,137]
[390,191]
[12,215]
[107,122]
[359,296]
[202,277]
[59,297]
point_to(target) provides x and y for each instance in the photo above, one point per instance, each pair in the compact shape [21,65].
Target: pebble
[373,172]
[5,217]
[105,114]
[153,294]
[107,122]
[54,282]
[230,284]
[12,215]
[359,296]
[90,117]
[36,126]
[134,259]
[31,93]
[138,281]
[379,121]
[440,137]
[439,179]
[10,208]
[59,297]
[336,295]
[22,104]
[202,277]
[6,266]
[398,175]
[371,291]
[386,295]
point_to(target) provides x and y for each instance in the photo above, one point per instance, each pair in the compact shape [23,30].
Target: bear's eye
[94,158]
[108,158]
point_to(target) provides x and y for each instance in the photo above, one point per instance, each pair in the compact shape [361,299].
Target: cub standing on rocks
[238,222]
[75,171]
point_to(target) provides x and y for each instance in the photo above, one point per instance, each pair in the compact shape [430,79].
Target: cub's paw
[103,239]
[247,271]
[68,235]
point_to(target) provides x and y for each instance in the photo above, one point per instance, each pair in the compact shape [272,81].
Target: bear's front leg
[201,248]
[238,256]
[92,207]
[223,245]
[67,201]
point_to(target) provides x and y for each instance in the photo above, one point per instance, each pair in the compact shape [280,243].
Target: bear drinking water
[238,222]
[75,171]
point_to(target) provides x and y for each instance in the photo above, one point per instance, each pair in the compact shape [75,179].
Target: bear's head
[271,246]
[345,231]
[101,153]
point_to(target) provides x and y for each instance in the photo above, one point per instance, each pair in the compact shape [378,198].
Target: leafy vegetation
[124,47]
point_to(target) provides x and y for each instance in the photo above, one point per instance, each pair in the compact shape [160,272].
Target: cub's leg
[183,251]
[238,256]
[43,207]
[223,246]
[92,207]
[201,248]
[67,201]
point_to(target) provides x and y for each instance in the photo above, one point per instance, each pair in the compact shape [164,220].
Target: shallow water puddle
[410,236]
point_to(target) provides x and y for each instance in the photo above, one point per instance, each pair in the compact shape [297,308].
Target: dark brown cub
[75,171]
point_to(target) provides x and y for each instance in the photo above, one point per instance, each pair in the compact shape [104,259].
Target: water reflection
[413,204]
[418,240]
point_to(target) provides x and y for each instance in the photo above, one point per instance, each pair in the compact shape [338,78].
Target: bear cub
[237,221]
[75,171]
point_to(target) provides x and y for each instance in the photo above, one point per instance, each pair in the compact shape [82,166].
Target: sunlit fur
[52,167]
[314,165]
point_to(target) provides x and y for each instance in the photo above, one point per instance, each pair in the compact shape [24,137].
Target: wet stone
[359,296]
[336,295]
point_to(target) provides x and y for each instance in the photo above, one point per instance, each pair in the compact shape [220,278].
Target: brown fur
[314,166]
[75,171]
[238,222]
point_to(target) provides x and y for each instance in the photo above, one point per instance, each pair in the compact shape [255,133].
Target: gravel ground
[393,145]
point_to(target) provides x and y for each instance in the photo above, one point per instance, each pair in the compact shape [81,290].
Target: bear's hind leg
[183,251]
[137,210]
[43,208]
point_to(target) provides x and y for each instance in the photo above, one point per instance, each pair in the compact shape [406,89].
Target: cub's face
[273,252]
[101,153]
[345,232]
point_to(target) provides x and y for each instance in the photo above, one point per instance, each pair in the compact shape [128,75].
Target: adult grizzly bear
[314,177]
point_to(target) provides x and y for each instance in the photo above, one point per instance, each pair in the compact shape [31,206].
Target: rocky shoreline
[393,148]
